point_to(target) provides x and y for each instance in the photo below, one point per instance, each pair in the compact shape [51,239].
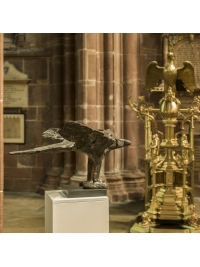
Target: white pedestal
[75,215]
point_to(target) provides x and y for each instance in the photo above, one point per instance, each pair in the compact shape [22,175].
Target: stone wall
[27,172]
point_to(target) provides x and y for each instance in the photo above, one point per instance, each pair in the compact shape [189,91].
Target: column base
[115,191]
[134,184]
[52,180]
[78,178]
[65,178]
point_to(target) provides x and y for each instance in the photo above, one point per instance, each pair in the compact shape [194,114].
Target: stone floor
[24,213]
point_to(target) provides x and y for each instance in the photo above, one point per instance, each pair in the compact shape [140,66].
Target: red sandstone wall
[27,172]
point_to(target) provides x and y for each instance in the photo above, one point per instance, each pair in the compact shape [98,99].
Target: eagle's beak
[127,142]
[123,142]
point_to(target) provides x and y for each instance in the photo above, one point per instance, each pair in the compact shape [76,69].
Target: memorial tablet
[15,87]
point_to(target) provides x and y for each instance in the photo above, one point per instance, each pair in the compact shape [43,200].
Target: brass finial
[191,37]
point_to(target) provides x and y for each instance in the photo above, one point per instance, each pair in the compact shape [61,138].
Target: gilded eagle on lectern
[170,74]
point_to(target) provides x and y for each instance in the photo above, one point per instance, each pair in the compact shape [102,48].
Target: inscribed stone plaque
[15,87]
[15,95]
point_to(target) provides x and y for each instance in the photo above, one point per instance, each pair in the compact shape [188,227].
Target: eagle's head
[170,56]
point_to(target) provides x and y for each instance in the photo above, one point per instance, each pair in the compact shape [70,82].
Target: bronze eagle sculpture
[75,136]
[170,74]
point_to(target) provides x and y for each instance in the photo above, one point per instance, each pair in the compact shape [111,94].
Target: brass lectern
[169,155]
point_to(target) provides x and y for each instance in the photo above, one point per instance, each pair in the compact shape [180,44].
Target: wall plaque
[15,87]
[14,130]
[15,95]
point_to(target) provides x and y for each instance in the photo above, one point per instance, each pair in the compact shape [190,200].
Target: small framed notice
[14,128]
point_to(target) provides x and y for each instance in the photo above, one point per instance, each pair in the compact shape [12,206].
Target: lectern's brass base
[182,229]
[156,228]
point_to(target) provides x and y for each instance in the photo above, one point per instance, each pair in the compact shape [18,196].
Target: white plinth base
[75,215]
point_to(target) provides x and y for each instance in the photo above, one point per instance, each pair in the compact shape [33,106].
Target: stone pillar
[133,178]
[100,89]
[113,113]
[88,91]
[56,76]
[1,134]
[69,101]
[165,48]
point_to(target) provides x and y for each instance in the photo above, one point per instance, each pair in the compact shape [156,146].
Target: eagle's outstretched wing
[86,139]
[55,148]
[153,74]
[186,74]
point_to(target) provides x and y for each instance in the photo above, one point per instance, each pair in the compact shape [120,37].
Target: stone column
[165,48]
[69,101]
[88,91]
[1,134]
[100,90]
[133,178]
[113,113]
[56,77]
